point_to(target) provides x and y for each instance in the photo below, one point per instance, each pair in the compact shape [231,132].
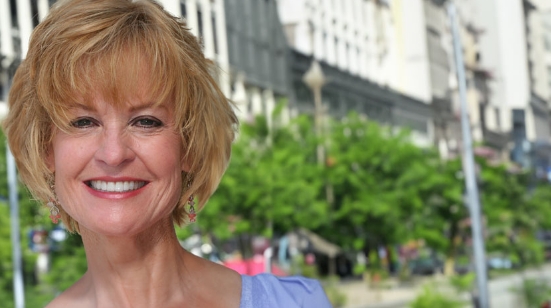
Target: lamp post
[315,80]
[469,168]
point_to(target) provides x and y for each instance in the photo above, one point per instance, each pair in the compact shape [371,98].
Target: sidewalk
[500,289]
[359,295]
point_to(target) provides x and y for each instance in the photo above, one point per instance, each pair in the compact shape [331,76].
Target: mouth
[118,187]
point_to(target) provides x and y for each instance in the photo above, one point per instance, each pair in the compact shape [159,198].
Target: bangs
[130,60]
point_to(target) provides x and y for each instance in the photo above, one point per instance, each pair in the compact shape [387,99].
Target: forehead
[120,80]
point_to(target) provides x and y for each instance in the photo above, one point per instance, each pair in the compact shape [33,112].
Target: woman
[116,124]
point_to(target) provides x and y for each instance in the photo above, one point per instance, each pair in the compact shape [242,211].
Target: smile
[118,187]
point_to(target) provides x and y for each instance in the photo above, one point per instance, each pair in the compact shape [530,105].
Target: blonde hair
[86,47]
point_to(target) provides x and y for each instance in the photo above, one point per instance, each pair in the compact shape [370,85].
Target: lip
[114,194]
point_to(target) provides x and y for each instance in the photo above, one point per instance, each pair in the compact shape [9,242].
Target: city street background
[348,167]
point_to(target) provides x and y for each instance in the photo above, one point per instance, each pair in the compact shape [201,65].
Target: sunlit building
[357,45]
[546,19]
[513,50]
[490,140]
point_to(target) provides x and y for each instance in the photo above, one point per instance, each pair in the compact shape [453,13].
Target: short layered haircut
[89,47]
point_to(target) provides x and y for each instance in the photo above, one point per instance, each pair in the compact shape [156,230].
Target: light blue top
[269,291]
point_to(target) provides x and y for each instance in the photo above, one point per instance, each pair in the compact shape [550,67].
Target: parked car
[426,266]
[498,262]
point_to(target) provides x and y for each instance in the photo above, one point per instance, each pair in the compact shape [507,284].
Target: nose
[114,148]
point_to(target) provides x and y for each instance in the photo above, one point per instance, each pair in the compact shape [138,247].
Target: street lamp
[315,80]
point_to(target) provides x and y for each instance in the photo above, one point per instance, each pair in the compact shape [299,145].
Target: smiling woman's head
[120,49]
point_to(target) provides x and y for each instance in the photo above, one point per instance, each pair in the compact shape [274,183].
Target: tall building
[355,42]
[513,50]
[424,56]
[546,20]
[490,141]
[354,36]
[258,57]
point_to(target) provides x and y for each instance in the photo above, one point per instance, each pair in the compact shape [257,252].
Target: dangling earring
[191,212]
[52,204]
[54,211]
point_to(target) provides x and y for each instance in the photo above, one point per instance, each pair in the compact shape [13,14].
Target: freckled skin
[138,142]
[134,257]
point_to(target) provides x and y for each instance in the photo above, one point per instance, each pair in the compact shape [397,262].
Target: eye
[83,123]
[147,122]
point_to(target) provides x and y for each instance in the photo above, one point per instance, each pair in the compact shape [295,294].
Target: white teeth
[116,186]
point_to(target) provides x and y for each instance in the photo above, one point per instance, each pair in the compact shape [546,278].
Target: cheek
[68,156]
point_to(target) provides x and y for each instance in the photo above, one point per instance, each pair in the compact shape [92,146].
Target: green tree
[272,184]
[380,180]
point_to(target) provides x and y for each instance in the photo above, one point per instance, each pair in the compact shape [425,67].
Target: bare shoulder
[220,283]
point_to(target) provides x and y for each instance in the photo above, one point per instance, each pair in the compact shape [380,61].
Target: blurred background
[348,165]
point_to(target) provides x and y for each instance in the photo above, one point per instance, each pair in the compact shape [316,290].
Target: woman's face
[118,171]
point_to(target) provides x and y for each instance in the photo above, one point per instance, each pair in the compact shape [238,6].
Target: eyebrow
[147,105]
[133,108]
[82,106]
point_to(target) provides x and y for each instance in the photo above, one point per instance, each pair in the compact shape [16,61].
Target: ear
[185,164]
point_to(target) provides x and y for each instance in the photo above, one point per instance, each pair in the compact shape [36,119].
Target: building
[258,57]
[356,44]
[512,50]
[546,20]
[354,36]
[489,140]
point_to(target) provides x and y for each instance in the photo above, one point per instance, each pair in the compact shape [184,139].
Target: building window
[214,34]
[336,49]
[324,45]
[498,118]
[200,22]
[547,41]
[183,9]
[13,13]
[482,115]
[34,13]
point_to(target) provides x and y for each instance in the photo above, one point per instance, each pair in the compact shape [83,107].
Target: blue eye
[82,123]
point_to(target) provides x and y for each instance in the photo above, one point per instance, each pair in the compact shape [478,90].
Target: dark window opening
[34,13]
[200,22]
[183,9]
[214,34]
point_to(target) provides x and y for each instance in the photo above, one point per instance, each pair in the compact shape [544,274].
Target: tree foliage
[272,184]
[375,188]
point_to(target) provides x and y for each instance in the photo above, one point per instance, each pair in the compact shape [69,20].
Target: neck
[143,270]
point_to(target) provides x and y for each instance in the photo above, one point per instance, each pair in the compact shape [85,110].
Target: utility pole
[18,288]
[25,28]
[469,168]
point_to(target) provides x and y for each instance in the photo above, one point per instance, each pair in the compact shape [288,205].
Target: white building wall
[413,66]
[354,35]
[503,53]
[172,6]
[537,54]
[546,18]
